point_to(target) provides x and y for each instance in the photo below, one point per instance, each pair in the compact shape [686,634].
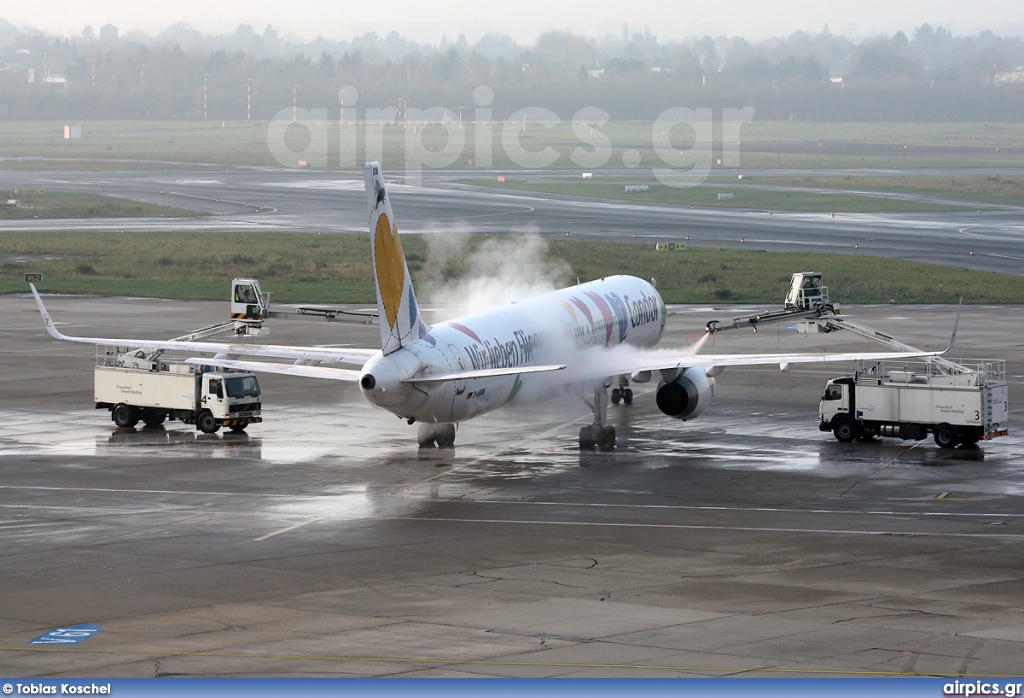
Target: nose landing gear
[598,435]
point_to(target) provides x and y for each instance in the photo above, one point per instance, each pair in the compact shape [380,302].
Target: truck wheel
[153,418]
[844,429]
[125,416]
[238,428]
[206,422]
[945,436]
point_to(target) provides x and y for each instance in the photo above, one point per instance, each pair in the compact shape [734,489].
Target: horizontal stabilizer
[484,373]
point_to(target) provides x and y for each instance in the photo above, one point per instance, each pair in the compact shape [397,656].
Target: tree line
[182,74]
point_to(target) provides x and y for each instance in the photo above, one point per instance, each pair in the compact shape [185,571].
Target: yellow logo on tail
[390,262]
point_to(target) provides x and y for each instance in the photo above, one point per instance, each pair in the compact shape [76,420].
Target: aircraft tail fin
[400,319]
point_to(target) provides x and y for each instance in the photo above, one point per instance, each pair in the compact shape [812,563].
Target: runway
[334,202]
[324,543]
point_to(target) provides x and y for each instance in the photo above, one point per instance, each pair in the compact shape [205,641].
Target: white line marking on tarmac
[129,491]
[169,509]
[754,529]
[774,510]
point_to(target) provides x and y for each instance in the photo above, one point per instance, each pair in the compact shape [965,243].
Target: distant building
[13,61]
[1009,77]
[108,32]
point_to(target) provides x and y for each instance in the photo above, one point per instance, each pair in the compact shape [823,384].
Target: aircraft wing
[337,374]
[622,360]
[356,356]
[343,374]
[655,362]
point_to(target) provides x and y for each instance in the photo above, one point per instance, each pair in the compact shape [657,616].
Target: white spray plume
[596,364]
[502,269]
[498,271]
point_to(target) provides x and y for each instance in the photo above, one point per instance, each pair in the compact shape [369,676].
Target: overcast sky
[426,21]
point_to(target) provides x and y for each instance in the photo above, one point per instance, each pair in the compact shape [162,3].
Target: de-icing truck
[136,388]
[954,402]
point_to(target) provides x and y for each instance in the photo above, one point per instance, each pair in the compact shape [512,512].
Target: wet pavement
[324,543]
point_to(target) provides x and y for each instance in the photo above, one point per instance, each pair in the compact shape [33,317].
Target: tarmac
[324,543]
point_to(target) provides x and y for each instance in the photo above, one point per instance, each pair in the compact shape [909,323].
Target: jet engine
[687,396]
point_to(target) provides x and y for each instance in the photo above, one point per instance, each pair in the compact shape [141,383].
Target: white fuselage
[552,328]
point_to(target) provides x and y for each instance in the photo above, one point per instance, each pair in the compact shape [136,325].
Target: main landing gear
[623,392]
[441,434]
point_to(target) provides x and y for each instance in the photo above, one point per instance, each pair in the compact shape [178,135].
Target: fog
[927,72]
[526,20]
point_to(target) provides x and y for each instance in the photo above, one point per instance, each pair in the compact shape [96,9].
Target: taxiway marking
[702,527]
[773,510]
[472,662]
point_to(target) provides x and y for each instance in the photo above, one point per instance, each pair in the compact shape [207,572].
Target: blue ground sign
[68,635]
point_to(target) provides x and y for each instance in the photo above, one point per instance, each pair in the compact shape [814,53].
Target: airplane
[583,337]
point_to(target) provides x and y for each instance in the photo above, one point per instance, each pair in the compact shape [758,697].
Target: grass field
[75,205]
[336,268]
[133,144]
